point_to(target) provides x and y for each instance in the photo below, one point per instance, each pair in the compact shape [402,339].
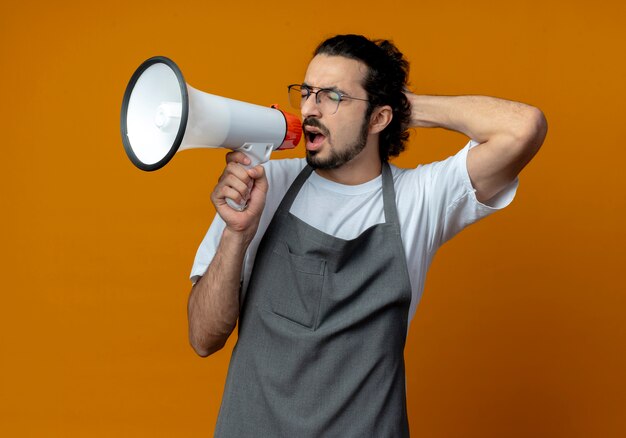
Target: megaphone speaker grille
[154,113]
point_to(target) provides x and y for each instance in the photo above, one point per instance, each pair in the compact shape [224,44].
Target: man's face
[334,139]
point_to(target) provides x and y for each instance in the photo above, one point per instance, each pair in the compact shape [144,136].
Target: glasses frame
[310,90]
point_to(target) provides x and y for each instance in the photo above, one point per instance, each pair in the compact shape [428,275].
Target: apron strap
[389,197]
[290,196]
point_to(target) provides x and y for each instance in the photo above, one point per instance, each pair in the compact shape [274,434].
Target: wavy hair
[384,83]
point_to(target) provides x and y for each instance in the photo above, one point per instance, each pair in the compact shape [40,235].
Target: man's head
[370,77]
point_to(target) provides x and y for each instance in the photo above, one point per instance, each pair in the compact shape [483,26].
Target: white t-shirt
[435,201]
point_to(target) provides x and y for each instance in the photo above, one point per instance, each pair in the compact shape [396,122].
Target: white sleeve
[453,198]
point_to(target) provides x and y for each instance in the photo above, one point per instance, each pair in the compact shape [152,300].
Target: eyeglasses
[327,100]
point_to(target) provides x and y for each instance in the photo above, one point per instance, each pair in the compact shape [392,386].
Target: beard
[336,158]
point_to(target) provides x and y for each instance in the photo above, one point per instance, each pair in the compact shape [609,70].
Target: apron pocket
[296,286]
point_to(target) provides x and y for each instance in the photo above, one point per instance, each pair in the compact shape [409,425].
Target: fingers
[235,183]
[257,173]
[258,193]
[237,157]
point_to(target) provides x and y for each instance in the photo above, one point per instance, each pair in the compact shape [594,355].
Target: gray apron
[322,330]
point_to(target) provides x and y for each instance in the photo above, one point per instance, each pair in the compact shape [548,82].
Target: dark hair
[385,82]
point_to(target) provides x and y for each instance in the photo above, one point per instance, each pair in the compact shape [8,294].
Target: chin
[316,161]
[313,160]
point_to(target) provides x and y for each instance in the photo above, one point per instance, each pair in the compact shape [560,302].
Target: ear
[380,118]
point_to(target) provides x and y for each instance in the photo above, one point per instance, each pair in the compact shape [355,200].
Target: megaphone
[162,115]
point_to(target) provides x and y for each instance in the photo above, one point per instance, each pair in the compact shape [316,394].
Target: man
[326,265]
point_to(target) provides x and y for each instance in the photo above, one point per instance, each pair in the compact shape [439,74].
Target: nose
[310,108]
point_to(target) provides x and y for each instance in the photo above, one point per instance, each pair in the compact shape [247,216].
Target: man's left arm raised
[509,134]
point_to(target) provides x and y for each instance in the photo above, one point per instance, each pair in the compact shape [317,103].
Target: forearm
[509,133]
[214,300]
[479,117]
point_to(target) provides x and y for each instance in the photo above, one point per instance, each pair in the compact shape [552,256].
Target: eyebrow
[338,90]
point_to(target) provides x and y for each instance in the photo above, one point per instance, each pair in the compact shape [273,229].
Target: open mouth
[314,137]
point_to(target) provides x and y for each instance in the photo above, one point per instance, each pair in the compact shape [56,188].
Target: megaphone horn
[162,115]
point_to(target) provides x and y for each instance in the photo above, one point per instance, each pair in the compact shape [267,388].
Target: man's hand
[241,185]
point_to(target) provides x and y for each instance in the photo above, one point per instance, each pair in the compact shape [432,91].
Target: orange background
[522,329]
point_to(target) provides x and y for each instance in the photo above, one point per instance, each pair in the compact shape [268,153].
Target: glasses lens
[297,96]
[328,101]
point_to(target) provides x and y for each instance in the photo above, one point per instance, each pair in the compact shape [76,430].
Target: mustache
[313,122]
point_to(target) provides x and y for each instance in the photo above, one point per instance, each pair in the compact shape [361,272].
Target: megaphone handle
[258,153]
